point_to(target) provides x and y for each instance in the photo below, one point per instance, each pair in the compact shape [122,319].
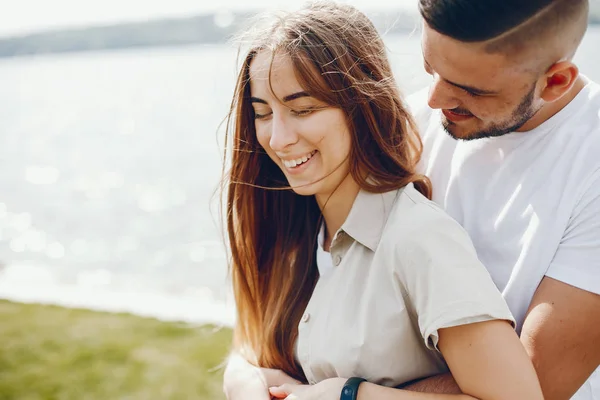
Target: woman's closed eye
[307,110]
[259,114]
[262,114]
[302,112]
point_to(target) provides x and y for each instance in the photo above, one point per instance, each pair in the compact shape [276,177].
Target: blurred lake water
[109,163]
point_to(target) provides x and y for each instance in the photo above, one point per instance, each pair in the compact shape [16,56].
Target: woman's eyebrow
[295,96]
[257,100]
[287,98]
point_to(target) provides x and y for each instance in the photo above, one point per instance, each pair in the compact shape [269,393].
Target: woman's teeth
[298,161]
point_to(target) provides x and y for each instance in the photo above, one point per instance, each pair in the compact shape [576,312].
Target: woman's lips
[300,168]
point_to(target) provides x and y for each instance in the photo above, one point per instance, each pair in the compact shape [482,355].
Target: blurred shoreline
[109,164]
[30,285]
[210,28]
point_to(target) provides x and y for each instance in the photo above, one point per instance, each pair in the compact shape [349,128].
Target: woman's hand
[329,389]
[244,381]
[276,377]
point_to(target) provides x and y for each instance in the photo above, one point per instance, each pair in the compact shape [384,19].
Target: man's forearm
[440,384]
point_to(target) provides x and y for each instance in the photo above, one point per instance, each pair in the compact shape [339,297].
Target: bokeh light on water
[109,162]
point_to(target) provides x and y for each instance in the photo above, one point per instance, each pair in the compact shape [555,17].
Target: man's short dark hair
[482,20]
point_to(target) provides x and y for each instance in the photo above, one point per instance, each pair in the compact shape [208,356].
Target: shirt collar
[368,217]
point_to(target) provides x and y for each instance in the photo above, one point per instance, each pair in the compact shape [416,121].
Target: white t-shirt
[530,201]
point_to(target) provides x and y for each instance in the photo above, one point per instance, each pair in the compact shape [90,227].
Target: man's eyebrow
[466,87]
[287,98]
[471,88]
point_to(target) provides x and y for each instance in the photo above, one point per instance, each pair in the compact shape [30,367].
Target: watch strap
[350,389]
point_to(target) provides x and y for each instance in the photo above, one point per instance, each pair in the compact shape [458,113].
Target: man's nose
[441,95]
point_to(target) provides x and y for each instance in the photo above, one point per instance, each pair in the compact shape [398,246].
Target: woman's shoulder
[412,206]
[416,220]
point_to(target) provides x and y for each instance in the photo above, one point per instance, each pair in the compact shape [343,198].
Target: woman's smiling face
[308,139]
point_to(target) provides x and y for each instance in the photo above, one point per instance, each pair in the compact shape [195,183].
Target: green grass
[49,353]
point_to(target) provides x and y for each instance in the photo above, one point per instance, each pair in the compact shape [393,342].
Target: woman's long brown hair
[341,60]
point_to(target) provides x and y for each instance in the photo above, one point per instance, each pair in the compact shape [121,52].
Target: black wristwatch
[350,389]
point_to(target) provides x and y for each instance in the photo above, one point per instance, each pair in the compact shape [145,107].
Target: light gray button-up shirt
[402,269]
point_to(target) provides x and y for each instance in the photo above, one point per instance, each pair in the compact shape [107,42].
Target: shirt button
[305,317]
[337,260]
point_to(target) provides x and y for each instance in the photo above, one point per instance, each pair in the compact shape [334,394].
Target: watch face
[350,389]
[346,393]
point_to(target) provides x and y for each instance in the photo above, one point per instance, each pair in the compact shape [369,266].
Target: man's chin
[458,132]
[471,131]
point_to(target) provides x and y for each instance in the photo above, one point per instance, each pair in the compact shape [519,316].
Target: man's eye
[472,94]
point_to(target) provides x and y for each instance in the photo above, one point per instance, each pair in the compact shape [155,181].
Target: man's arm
[561,331]
[561,334]
[443,384]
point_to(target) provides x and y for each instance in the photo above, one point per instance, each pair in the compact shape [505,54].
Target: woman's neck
[336,206]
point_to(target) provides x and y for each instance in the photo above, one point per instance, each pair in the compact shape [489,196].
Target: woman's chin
[310,186]
[303,189]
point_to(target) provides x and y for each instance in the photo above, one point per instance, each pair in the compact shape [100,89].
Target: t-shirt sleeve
[422,115]
[444,282]
[577,259]
[417,105]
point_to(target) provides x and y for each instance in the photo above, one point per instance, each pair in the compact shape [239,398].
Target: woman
[342,269]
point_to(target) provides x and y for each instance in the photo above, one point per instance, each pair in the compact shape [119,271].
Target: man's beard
[522,114]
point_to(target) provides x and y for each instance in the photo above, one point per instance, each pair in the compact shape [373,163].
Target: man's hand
[328,389]
[561,335]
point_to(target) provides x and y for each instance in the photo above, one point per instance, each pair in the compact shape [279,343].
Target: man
[511,136]
[516,161]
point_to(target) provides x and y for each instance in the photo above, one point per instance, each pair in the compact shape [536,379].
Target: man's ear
[559,78]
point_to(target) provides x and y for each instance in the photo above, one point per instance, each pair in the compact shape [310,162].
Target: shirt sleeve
[577,259]
[444,282]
